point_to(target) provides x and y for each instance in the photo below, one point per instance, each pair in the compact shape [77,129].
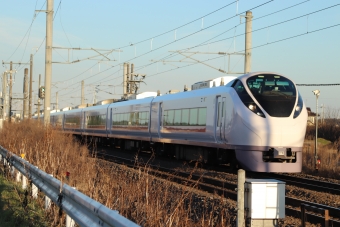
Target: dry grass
[328,155]
[135,194]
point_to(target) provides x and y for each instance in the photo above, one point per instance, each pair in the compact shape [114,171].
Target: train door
[160,119]
[220,118]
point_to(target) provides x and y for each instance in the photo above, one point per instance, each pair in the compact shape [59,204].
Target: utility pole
[130,85]
[82,99]
[39,98]
[125,79]
[25,90]
[10,90]
[56,100]
[11,83]
[247,58]
[30,90]
[4,96]
[48,60]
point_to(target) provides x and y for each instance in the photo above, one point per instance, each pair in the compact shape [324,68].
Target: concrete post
[24,182]
[4,96]
[124,79]
[39,99]
[247,57]
[26,95]
[10,91]
[12,171]
[241,179]
[35,190]
[18,177]
[56,100]
[82,99]
[128,87]
[30,90]
[48,60]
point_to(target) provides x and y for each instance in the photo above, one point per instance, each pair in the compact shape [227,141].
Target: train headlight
[298,107]
[255,110]
[252,107]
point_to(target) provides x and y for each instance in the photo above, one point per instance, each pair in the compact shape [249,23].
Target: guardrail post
[47,200]
[24,182]
[34,190]
[326,218]
[69,221]
[18,177]
[12,171]
[303,215]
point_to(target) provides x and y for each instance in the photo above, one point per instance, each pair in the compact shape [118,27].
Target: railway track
[227,189]
[315,185]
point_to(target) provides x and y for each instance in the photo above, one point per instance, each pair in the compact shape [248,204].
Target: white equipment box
[264,200]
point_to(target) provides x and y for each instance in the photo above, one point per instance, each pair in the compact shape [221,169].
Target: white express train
[257,121]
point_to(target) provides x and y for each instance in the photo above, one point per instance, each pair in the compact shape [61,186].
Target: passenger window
[202,116]
[193,117]
[170,117]
[185,117]
[177,117]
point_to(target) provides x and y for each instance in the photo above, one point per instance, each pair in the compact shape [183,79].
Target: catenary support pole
[48,60]
[241,179]
[10,91]
[4,96]
[56,100]
[82,99]
[248,42]
[25,100]
[124,80]
[30,91]
[39,98]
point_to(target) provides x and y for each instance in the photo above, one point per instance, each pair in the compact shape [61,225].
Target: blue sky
[311,57]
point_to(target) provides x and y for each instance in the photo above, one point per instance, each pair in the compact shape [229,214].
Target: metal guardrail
[81,208]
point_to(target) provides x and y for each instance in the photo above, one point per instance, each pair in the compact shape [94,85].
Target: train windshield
[276,94]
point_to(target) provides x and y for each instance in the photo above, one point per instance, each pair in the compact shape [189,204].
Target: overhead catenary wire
[277,41]
[27,32]
[273,41]
[184,37]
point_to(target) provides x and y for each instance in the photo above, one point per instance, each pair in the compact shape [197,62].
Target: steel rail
[81,208]
[316,185]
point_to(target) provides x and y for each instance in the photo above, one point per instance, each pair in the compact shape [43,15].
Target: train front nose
[280,125]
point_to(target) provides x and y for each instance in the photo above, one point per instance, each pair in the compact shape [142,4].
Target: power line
[28,31]
[205,42]
[174,29]
[183,37]
[277,41]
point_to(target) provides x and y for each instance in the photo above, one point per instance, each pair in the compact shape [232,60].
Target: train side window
[170,117]
[193,116]
[185,117]
[177,117]
[165,117]
[114,119]
[202,116]
[141,118]
[132,119]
